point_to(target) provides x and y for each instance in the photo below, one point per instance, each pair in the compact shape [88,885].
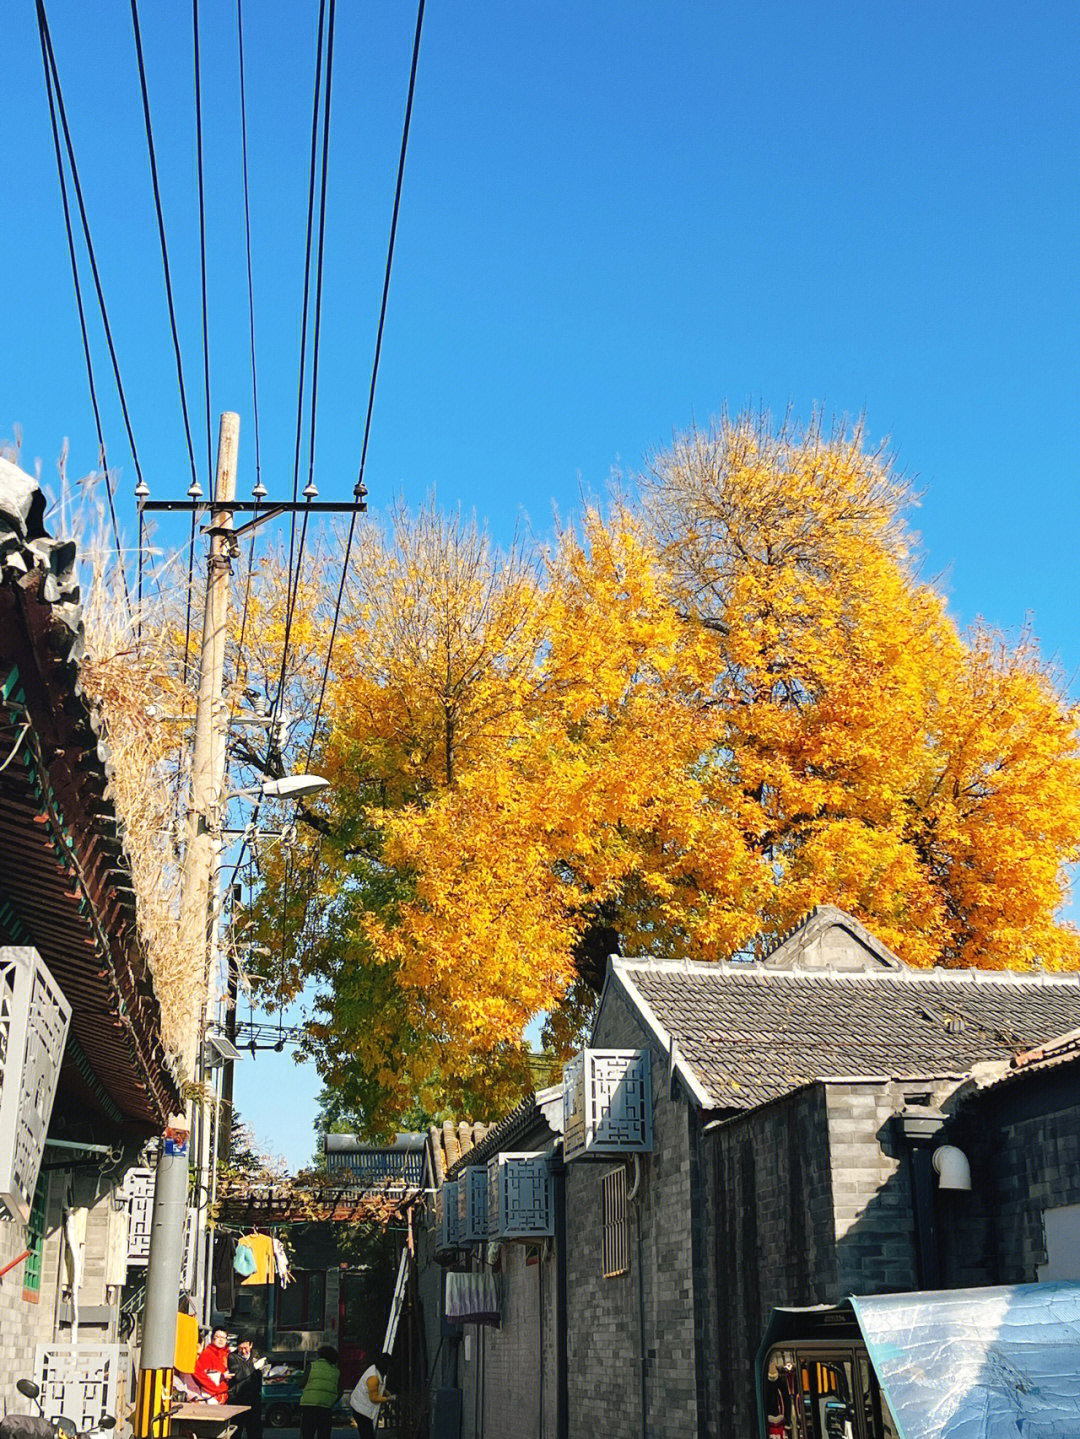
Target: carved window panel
[519,1197]
[34,1020]
[82,1382]
[446,1214]
[607,1103]
[138,1193]
[473,1205]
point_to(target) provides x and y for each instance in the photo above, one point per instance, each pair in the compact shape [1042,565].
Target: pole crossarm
[252,1032]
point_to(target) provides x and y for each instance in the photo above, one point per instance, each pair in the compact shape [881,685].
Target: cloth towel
[472,1298]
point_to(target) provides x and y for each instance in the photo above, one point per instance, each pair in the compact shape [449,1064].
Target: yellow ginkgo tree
[695,716]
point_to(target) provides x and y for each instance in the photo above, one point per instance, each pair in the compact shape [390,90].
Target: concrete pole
[204,823]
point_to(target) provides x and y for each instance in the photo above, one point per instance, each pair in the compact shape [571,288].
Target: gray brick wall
[606,1335]
[510,1372]
[770,1208]
[22,1323]
[1023,1143]
[872,1211]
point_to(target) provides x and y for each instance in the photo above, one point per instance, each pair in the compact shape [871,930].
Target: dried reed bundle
[133,672]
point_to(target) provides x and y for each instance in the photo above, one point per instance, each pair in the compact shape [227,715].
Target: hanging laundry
[244,1261]
[262,1248]
[224,1272]
[472,1298]
[281,1260]
[187,1343]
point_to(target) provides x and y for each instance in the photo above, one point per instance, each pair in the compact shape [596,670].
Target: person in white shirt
[369,1394]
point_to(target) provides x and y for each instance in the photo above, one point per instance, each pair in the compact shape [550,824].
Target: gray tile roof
[747,1033]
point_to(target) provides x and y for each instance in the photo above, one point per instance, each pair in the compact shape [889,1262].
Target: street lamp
[291,786]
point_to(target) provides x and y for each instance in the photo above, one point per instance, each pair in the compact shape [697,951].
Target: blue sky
[616,220]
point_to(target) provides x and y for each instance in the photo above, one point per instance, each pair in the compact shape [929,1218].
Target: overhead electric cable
[324,45]
[359,489]
[194,489]
[202,246]
[295,559]
[251,315]
[56,103]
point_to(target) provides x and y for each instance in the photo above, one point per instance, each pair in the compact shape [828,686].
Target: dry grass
[133,673]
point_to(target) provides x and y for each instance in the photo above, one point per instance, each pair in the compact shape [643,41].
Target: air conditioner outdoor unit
[607,1104]
[520,1197]
[34,1021]
[446,1214]
[473,1205]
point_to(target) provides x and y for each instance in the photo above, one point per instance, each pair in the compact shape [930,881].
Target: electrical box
[607,1104]
[473,1205]
[519,1197]
[34,1021]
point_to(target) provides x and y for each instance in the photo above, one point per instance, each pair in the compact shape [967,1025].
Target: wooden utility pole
[200,852]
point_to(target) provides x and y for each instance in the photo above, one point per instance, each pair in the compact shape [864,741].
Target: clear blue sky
[616,219]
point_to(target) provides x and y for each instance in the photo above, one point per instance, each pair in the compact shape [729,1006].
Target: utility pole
[200,851]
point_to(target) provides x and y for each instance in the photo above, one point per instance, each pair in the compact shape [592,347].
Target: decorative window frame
[614,1224]
[36,1227]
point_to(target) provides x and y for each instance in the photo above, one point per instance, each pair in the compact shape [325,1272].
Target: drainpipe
[643,1359]
[562,1365]
[920,1128]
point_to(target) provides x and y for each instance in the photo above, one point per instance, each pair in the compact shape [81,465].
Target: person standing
[245,1387]
[321,1392]
[369,1394]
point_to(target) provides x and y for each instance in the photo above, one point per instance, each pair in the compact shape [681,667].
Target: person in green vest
[321,1392]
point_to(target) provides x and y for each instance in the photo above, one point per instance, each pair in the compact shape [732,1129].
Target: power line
[293,584]
[251,315]
[291,588]
[194,488]
[359,490]
[56,102]
[202,244]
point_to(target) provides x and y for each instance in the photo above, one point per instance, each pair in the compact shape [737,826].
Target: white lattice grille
[34,1020]
[81,1381]
[519,1197]
[138,1194]
[607,1103]
[473,1186]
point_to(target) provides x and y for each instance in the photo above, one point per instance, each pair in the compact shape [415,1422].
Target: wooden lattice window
[35,1241]
[615,1230]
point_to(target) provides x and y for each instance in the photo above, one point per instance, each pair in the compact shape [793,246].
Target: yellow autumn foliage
[698,715]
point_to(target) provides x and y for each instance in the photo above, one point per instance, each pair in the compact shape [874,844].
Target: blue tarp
[996,1363]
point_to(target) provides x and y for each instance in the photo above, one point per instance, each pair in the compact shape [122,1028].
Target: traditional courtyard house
[492,1285]
[84,1077]
[794,1123]
[742,1136]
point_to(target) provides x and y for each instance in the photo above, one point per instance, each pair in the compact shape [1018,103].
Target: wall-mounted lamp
[951,1167]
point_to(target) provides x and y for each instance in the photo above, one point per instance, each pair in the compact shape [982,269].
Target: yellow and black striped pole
[158,1353]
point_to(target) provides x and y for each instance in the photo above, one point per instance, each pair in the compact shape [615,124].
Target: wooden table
[207,1421]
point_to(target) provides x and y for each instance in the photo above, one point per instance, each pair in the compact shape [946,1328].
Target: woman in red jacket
[212,1367]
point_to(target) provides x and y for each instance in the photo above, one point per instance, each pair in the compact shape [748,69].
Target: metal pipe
[75,1144]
